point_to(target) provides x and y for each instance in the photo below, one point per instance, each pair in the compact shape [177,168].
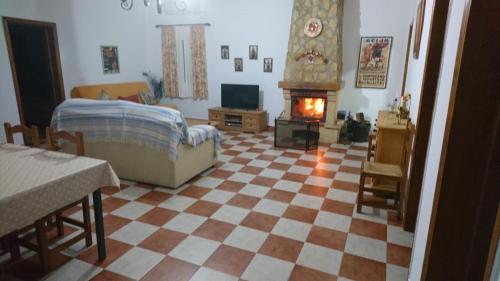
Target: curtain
[169,60]
[199,62]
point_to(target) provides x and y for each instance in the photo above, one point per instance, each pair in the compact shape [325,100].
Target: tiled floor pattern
[261,214]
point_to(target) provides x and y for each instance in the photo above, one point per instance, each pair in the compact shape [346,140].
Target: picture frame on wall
[110,62]
[253,52]
[419,26]
[373,64]
[224,52]
[268,65]
[238,64]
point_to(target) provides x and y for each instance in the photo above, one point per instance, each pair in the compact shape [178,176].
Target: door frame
[466,200]
[55,60]
[425,111]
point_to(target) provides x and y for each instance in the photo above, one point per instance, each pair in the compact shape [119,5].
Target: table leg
[42,243]
[99,224]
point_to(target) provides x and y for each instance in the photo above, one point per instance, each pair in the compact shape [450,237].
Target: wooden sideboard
[238,120]
[391,136]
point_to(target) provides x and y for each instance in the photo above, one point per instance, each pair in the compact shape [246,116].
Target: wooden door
[36,69]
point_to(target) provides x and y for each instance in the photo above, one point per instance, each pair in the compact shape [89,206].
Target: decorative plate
[313,27]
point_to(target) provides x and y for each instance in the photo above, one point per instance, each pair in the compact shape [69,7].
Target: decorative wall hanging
[311,55]
[313,27]
[373,65]
[419,26]
[179,7]
[110,64]
[238,64]
[253,52]
[128,4]
[268,65]
[224,52]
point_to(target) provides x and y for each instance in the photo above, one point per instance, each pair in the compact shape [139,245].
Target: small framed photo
[253,52]
[238,64]
[110,64]
[224,52]
[268,65]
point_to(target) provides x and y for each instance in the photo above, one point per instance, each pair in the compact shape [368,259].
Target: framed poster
[373,65]
[110,64]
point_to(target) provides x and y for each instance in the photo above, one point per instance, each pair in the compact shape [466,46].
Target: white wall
[83,26]
[237,24]
[8,107]
[438,124]
[374,18]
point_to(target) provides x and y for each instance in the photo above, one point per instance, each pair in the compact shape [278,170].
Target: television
[240,96]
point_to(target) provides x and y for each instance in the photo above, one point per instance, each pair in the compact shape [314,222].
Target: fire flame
[314,106]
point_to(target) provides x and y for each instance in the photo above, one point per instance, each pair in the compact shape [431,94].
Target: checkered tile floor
[261,214]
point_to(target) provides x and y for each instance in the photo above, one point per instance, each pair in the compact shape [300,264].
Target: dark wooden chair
[56,220]
[28,133]
[382,173]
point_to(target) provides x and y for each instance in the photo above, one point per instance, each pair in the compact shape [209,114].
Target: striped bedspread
[159,128]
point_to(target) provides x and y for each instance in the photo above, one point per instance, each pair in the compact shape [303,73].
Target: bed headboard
[114,90]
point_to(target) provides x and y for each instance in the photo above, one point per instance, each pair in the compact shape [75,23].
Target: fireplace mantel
[319,86]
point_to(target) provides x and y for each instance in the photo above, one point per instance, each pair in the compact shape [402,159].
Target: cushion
[103,95]
[147,97]
[132,98]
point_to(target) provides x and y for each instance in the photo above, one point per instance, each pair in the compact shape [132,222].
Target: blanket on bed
[156,127]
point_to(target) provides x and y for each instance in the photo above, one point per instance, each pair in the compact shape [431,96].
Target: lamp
[128,4]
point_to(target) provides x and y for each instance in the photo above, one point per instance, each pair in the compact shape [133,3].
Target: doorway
[36,69]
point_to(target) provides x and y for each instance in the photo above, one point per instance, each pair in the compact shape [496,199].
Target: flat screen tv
[240,96]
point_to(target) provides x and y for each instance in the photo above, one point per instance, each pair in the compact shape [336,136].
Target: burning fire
[310,108]
[315,106]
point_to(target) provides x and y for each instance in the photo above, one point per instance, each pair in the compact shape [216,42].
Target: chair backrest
[407,154]
[27,132]
[53,137]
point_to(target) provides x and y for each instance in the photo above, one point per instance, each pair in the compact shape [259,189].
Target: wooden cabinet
[391,136]
[239,120]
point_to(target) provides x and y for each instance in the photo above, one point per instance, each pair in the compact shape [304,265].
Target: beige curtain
[199,62]
[169,60]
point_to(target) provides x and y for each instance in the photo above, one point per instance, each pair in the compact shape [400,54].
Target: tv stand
[239,119]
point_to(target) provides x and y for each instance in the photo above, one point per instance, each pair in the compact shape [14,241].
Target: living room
[230,193]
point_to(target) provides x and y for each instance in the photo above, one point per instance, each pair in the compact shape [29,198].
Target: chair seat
[389,170]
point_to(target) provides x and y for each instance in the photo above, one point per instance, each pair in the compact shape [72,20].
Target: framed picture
[224,52]
[373,65]
[238,64]
[253,52]
[419,26]
[110,63]
[268,65]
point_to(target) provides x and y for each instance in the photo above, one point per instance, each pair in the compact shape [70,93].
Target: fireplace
[313,101]
[309,105]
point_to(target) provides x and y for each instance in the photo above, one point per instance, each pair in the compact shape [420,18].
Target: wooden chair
[28,133]
[371,145]
[31,134]
[383,173]
[56,219]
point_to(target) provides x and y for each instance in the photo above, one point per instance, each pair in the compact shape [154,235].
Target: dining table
[35,182]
